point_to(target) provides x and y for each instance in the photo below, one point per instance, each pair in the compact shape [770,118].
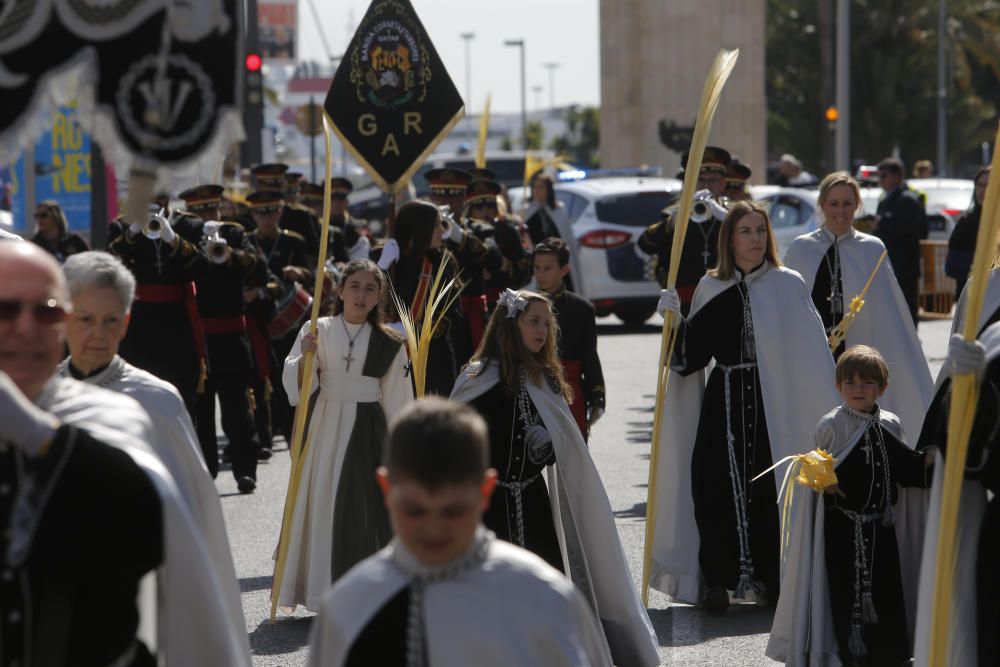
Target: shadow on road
[682,625]
[283,636]
[249,584]
[637,511]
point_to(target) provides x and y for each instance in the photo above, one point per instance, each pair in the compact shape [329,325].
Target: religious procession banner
[156,80]
[391,101]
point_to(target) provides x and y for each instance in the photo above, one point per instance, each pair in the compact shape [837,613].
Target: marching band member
[515,265]
[165,336]
[293,216]
[285,255]
[737,175]
[699,253]
[360,376]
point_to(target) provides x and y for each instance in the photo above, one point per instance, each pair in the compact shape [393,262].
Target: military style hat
[448,180]
[714,159]
[292,181]
[482,174]
[341,185]
[311,192]
[737,174]
[270,174]
[482,190]
[265,201]
[202,197]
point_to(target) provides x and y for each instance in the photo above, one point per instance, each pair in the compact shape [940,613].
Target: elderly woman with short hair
[53,232]
[101,290]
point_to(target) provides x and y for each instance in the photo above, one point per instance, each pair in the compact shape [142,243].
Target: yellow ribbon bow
[813,469]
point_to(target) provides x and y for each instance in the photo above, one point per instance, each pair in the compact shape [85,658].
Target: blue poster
[61,173]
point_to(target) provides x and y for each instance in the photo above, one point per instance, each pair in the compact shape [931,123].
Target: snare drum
[292,308]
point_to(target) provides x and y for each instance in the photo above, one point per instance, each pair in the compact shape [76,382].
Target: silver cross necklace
[350,341]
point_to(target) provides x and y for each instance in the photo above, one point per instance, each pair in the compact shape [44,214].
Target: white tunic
[307,568]
[194,625]
[174,442]
[513,609]
[884,323]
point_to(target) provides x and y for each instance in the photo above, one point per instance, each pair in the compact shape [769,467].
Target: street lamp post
[552,83]
[842,152]
[537,90]
[519,43]
[468,36]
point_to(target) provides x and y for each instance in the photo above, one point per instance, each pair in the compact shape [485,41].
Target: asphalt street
[620,447]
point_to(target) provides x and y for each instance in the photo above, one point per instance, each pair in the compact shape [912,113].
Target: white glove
[455,232]
[702,195]
[719,211]
[539,444]
[134,230]
[965,356]
[669,300]
[210,228]
[22,423]
[390,253]
[167,233]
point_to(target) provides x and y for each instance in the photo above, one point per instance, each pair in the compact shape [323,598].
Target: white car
[607,216]
[792,211]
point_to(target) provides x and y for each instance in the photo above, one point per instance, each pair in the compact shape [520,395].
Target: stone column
[655,55]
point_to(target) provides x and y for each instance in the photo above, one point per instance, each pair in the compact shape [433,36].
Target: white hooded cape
[990,304]
[592,551]
[802,634]
[797,382]
[884,323]
[513,609]
[175,443]
[193,619]
[963,649]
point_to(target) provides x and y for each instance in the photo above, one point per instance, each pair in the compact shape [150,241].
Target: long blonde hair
[502,342]
[727,258]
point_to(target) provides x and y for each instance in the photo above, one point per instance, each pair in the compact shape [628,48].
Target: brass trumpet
[154,225]
[700,212]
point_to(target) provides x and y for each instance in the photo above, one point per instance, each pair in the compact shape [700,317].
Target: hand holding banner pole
[717,76]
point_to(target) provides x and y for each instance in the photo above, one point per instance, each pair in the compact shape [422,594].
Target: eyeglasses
[48,312]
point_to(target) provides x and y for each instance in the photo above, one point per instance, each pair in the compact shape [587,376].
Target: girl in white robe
[360,376]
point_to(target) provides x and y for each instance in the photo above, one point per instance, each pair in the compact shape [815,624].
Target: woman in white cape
[360,376]
[716,531]
[549,492]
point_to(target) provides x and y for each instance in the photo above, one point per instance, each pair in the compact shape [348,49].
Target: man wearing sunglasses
[901,223]
[514,267]
[294,216]
[81,524]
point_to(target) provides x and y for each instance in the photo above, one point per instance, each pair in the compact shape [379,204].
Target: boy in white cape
[445,591]
[842,599]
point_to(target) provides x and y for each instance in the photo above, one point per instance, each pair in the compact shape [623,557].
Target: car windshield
[635,209]
[952,199]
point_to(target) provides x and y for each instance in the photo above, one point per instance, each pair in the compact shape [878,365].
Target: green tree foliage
[535,134]
[581,142]
[893,78]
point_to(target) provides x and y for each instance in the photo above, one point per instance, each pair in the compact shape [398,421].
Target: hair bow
[513,301]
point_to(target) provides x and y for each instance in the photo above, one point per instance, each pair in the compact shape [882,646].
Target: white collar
[755,274]
[828,235]
[404,559]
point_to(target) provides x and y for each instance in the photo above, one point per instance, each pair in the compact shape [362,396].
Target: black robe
[508,454]
[577,343]
[828,294]
[983,465]
[868,477]
[73,599]
[716,331]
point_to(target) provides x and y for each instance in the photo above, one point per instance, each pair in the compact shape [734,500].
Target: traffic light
[831,114]
[253,108]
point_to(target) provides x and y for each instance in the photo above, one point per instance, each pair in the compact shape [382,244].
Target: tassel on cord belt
[747,584]
[517,488]
[863,610]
